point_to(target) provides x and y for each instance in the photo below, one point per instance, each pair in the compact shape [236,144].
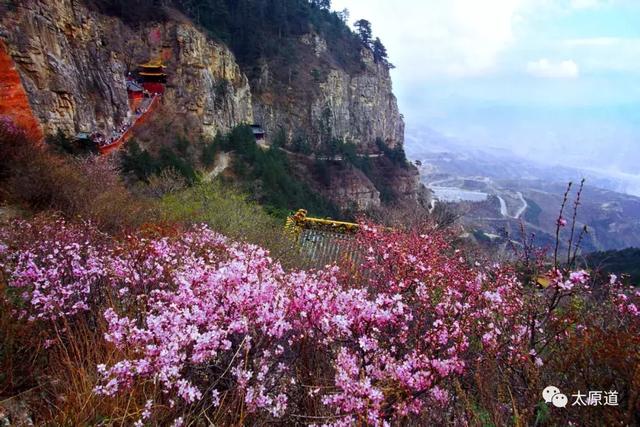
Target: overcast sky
[549,79]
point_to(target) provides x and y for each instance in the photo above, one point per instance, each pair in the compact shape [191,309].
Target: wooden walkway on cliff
[144,95]
[334,158]
[146,107]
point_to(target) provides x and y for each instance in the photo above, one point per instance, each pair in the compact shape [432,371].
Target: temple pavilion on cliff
[153,76]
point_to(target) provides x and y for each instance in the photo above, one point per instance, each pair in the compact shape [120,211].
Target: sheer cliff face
[15,103]
[325,101]
[73,80]
[362,108]
[72,62]
[206,83]
[322,100]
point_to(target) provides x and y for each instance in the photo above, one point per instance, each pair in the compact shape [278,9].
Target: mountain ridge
[72,59]
[496,190]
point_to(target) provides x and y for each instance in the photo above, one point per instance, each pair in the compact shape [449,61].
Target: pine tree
[322,4]
[363,28]
[379,51]
[343,15]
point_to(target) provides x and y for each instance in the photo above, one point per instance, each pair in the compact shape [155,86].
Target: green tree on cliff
[363,29]
[380,53]
[322,4]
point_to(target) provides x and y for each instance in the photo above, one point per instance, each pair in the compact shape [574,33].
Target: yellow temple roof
[144,73]
[301,219]
[152,64]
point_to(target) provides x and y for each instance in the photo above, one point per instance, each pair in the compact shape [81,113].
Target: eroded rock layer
[15,103]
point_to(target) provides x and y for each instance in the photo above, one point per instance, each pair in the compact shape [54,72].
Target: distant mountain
[497,190]
[507,165]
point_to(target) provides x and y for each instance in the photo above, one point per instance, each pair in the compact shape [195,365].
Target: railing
[126,136]
[324,241]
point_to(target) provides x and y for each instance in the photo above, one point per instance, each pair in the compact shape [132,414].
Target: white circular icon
[549,392]
[559,400]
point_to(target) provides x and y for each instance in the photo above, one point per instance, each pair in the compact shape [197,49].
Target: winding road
[504,211]
[524,207]
[503,207]
[492,189]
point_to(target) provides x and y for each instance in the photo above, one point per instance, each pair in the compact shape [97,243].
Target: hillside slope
[73,56]
[497,192]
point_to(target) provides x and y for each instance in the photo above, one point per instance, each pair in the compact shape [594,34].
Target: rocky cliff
[72,61]
[323,101]
[326,101]
[15,103]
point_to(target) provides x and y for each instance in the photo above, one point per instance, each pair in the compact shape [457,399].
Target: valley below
[495,193]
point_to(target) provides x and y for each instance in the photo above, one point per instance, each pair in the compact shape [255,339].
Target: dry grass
[49,370]
[36,179]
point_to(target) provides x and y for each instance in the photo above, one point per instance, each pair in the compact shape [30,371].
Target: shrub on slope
[175,325]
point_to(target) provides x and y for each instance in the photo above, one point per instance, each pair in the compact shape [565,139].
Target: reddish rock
[15,103]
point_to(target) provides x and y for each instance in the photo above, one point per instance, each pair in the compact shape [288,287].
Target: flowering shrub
[216,325]
[55,267]
[219,302]
[444,313]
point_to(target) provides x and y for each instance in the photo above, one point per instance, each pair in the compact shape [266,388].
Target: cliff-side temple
[143,92]
[152,76]
[89,74]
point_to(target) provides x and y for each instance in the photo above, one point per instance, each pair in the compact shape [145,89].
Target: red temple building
[153,76]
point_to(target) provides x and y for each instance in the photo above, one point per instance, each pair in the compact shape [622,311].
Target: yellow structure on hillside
[323,241]
[152,74]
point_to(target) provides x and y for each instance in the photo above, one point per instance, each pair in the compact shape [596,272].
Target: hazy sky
[552,79]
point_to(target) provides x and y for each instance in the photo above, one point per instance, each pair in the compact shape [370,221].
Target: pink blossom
[579,277]
[206,319]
